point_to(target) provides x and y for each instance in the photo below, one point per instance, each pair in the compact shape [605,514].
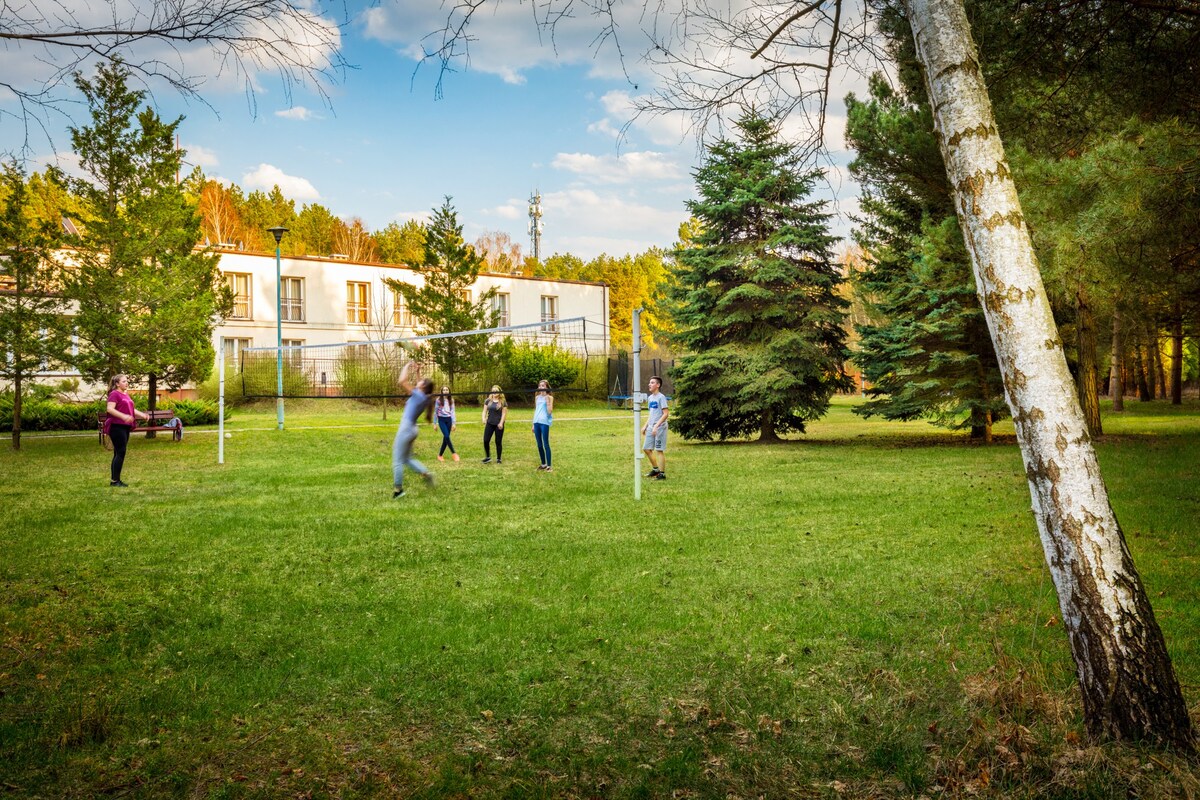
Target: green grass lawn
[862,612]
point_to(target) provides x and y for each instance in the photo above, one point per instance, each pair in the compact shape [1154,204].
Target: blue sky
[522,115]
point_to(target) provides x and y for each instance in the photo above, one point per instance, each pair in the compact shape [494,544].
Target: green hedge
[526,364]
[40,412]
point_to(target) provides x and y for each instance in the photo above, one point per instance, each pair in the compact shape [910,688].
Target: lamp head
[278,233]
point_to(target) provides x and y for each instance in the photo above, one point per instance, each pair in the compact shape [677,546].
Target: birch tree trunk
[1125,675]
[1116,383]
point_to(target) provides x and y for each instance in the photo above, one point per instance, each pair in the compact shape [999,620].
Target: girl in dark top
[120,421]
[495,411]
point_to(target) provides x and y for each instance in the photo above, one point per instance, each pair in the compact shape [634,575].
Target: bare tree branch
[161,41]
[787,23]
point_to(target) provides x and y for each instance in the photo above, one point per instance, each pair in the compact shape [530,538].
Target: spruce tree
[449,267]
[755,295]
[147,300]
[926,352]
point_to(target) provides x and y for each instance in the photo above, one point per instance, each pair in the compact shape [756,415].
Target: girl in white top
[543,417]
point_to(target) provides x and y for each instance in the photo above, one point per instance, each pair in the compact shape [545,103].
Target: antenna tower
[535,223]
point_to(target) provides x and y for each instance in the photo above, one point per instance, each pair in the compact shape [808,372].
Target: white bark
[1129,688]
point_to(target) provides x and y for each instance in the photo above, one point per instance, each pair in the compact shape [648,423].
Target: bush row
[515,366]
[41,411]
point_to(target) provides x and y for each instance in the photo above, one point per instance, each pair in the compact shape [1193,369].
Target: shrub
[195,412]
[41,412]
[367,375]
[526,364]
[210,388]
[260,378]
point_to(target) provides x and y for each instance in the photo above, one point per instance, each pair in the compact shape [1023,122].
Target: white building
[332,300]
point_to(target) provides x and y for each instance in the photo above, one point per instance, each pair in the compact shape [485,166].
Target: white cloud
[266,176]
[299,113]
[199,156]
[506,41]
[583,221]
[402,217]
[621,117]
[622,168]
[513,209]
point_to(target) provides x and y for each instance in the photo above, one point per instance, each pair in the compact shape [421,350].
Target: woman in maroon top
[121,420]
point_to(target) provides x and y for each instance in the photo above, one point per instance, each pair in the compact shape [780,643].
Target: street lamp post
[278,233]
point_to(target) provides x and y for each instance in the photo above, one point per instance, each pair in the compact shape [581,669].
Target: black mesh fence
[620,377]
[470,363]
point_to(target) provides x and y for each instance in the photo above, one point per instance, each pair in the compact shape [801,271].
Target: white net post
[221,404]
[635,390]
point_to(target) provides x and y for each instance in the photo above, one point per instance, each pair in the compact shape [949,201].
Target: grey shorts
[656,441]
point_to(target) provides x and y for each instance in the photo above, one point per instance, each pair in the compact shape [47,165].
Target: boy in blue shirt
[655,430]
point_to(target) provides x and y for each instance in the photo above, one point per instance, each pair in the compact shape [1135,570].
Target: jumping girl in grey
[406,434]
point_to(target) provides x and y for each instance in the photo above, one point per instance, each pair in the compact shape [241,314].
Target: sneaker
[454,456]
[429,479]
[441,458]
[652,473]
[543,468]
[662,476]
[118,483]
[549,468]
[396,495]
[488,460]
[499,461]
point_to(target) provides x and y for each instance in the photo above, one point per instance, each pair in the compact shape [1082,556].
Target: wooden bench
[155,423]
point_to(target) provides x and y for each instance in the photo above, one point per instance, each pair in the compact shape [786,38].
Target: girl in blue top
[447,420]
[406,434]
[543,416]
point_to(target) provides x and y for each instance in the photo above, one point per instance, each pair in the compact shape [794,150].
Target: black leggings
[119,436]
[488,430]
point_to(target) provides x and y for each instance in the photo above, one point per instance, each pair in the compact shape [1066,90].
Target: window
[239,284]
[291,299]
[500,306]
[465,294]
[293,356]
[401,316]
[358,300]
[549,312]
[232,349]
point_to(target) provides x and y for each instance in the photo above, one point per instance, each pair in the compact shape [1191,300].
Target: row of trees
[1105,147]
[132,294]
[231,216]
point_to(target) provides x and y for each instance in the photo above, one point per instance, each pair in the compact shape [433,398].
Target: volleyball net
[515,358]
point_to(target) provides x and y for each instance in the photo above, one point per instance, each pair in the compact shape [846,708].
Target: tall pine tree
[147,301]
[755,295]
[443,303]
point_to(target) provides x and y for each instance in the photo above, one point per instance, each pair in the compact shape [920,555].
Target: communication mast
[535,223]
